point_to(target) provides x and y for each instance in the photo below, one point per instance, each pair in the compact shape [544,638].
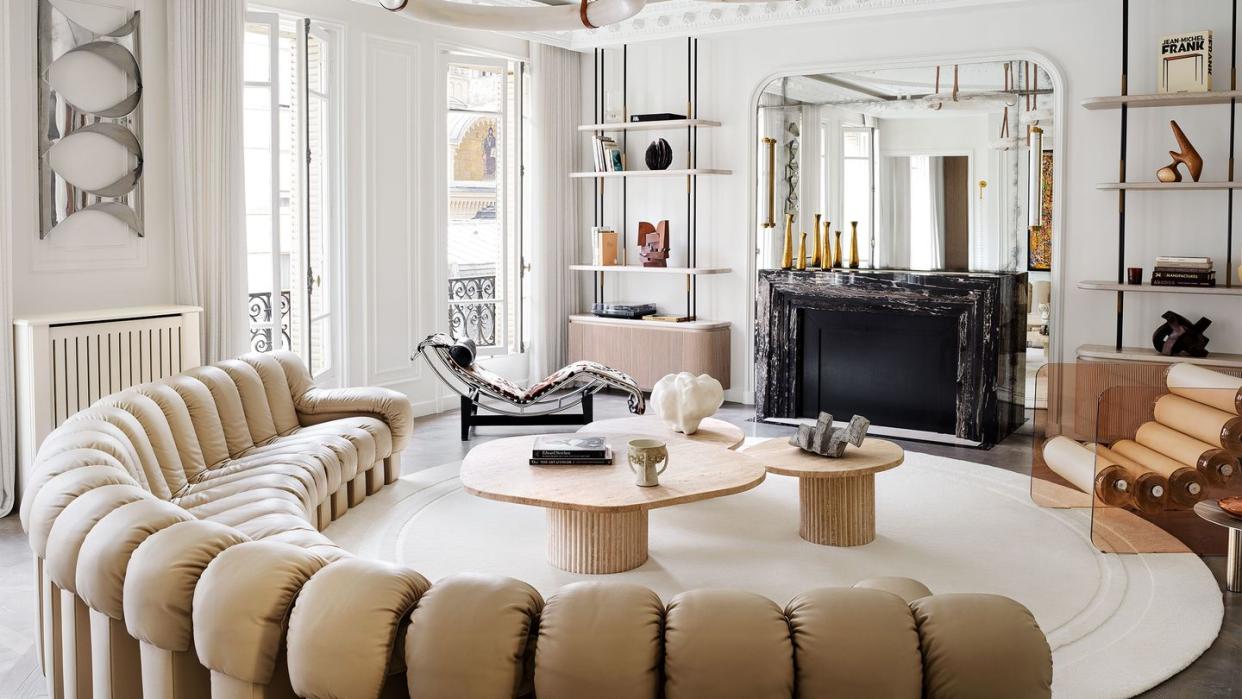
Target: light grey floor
[1217,673]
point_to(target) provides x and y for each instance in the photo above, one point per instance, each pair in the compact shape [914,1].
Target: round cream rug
[1117,624]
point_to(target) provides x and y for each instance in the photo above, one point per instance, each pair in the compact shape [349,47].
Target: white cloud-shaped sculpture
[683,400]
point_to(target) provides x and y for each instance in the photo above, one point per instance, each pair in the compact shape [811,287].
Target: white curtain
[8,442]
[935,196]
[556,94]
[893,237]
[209,215]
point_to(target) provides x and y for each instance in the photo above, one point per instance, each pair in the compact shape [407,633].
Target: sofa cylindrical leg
[392,469]
[53,656]
[358,489]
[116,666]
[75,642]
[173,674]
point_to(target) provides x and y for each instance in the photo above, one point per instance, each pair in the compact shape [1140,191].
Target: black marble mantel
[989,309]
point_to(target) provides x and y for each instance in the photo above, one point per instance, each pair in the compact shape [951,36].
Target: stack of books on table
[570,450]
[1183,271]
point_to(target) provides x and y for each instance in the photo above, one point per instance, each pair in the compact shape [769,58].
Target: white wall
[1079,41]
[393,257]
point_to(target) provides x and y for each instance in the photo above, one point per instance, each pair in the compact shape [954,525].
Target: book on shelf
[1185,63]
[1183,282]
[1182,273]
[605,247]
[605,154]
[571,461]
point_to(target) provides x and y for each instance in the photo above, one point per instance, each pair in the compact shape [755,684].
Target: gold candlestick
[838,260]
[815,252]
[787,255]
[825,260]
[853,244]
[801,264]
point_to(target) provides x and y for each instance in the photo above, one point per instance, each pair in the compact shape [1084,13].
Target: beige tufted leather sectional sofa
[177,548]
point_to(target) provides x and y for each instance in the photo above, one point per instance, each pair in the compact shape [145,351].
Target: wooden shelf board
[650,173]
[649,125]
[651,270]
[1140,354]
[1102,285]
[1180,99]
[696,325]
[1169,186]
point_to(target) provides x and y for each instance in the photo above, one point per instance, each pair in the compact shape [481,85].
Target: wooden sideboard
[648,350]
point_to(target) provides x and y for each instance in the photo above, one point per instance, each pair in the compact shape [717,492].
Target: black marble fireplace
[938,355]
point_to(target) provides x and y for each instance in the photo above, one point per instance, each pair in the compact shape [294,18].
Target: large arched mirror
[919,170]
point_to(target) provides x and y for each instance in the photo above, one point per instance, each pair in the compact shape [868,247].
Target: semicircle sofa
[176,531]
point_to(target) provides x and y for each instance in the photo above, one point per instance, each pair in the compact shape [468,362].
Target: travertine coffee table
[711,430]
[597,517]
[836,496]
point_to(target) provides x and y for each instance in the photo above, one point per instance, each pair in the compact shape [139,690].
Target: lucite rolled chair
[490,399]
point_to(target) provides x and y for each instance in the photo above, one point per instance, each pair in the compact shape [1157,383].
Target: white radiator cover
[67,361]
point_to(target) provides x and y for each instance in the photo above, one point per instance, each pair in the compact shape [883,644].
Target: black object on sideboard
[942,354]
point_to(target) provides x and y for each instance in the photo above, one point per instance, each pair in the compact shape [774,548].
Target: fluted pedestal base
[837,511]
[597,542]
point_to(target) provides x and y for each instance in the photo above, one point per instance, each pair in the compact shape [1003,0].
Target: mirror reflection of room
[926,168]
[933,163]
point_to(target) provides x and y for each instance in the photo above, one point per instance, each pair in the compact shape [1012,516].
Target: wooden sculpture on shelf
[1188,156]
[787,254]
[653,241]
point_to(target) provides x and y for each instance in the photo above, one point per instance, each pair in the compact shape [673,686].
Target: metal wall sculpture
[90,116]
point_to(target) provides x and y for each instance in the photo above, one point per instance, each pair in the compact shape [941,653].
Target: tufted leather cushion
[472,636]
[599,640]
[69,531]
[109,546]
[981,646]
[726,643]
[162,575]
[855,643]
[342,643]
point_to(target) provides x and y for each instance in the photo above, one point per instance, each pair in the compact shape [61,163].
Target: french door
[291,188]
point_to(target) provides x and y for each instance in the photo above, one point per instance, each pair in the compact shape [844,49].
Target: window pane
[476,235]
[257,60]
[857,204]
[857,144]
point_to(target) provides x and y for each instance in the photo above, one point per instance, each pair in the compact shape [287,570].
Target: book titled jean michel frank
[1185,63]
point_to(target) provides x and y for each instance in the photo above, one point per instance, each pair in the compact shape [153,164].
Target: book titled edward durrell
[1185,63]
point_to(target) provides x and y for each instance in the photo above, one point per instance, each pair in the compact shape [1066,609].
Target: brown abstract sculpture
[824,439]
[653,240]
[1188,156]
[1178,337]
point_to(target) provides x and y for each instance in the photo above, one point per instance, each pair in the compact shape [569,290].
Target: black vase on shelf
[659,155]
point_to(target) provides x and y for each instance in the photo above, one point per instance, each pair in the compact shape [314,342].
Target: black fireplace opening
[898,369]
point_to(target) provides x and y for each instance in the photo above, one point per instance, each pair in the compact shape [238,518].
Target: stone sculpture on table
[824,439]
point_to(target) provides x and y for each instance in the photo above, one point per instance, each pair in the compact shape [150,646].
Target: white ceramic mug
[644,455]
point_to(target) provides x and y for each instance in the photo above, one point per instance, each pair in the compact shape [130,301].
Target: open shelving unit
[1124,103]
[648,348]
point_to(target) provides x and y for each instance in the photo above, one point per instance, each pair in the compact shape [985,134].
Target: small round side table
[1233,564]
[836,496]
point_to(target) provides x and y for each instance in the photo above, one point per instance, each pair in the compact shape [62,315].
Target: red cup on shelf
[1134,275]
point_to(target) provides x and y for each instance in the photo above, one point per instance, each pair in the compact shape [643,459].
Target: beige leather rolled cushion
[905,588]
[1203,422]
[48,466]
[316,405]
[163,572]
[599,640]
[158,600]
[343,638]
[981,646]
[64,542]
[860,642]
[726,644]
[472,636]
[58,492]
[240,606]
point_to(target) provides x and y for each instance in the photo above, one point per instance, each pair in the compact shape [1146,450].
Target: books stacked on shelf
[570,450]
[606,250]
[1183,271]
[607,155]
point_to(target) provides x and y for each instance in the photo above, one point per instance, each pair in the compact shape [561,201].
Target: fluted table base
[596,543]
[837,511]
